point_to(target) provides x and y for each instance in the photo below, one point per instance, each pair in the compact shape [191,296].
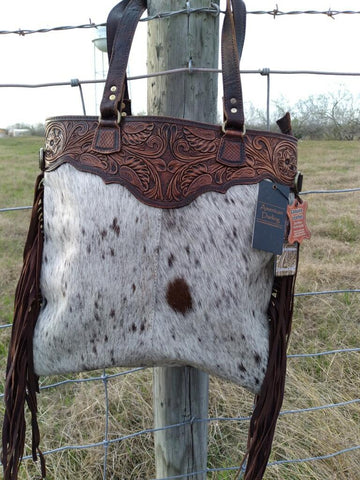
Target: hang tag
[270,219]
[297,221]
[286,263]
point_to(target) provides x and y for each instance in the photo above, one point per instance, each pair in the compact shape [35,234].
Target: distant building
[3,132]
[19,132]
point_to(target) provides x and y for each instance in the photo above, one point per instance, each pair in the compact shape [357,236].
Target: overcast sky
[311,42]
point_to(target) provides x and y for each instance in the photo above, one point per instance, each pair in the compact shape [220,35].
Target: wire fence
[106,377]
[214,10]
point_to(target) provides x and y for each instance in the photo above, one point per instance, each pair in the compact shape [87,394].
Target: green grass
[74,414]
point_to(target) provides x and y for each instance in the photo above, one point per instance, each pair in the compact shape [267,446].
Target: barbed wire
[329,13]
[26,31]
[213,10]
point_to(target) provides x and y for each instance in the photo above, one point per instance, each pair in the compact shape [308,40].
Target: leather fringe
[21,381]
[269,401]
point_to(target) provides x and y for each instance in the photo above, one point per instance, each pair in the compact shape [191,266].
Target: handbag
[139,251]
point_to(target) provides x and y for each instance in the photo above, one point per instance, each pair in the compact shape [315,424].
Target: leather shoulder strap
[232,39]
[108,136]
[126,16]
[239,12]
[113,20]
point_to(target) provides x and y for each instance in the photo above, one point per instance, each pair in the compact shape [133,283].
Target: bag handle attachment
[232,146]
[114,104]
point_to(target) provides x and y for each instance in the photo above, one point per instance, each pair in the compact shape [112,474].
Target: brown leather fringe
[268,402]
[21,381]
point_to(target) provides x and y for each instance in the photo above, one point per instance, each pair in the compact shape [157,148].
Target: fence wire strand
[174,71]
[213,10]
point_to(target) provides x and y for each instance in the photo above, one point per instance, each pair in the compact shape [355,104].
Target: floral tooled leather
[168,162]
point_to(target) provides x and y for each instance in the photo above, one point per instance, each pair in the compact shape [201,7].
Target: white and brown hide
[126,284]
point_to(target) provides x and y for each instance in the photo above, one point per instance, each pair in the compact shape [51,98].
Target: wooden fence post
[181,393]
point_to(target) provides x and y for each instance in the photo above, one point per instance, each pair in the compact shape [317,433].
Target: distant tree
[334,115]
[38,129]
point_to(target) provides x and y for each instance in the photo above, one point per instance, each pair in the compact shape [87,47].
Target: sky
[298,42]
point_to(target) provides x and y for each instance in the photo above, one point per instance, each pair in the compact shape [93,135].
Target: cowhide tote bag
[140,249]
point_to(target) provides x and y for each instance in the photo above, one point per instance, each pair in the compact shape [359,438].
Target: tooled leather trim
[167,162]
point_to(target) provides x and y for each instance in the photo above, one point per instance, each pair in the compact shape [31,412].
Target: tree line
[328,116]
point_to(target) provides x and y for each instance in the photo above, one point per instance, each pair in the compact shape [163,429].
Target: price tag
[297,222]
[286,263]
[270,219]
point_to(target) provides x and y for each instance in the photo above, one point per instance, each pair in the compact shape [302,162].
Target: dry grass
[74,414]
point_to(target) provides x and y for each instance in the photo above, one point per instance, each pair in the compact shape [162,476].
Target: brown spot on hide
[241,367]
[115,227]
[178,296]
[171,259]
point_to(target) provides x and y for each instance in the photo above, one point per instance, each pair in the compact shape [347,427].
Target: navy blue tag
[270,219]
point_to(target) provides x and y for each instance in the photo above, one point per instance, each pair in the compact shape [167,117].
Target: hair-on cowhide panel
[125,284]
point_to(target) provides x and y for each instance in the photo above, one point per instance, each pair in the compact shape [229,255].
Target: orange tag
[297,218]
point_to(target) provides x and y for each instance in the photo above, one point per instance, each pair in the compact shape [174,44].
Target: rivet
[233,110]
[123,114]
[112,97]
[113,88]
[123,105]
[233,101]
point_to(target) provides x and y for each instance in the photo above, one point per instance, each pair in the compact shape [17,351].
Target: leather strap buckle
[242,132]
[101,120]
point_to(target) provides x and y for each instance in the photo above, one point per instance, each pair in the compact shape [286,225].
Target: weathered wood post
[181,393]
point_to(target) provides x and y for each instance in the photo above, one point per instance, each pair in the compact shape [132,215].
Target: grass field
[74,414]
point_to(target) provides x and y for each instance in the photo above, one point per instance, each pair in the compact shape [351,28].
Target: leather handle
[232,41]
[239,12]
[112,23]
[122,23]
[107,138]
[114,86]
